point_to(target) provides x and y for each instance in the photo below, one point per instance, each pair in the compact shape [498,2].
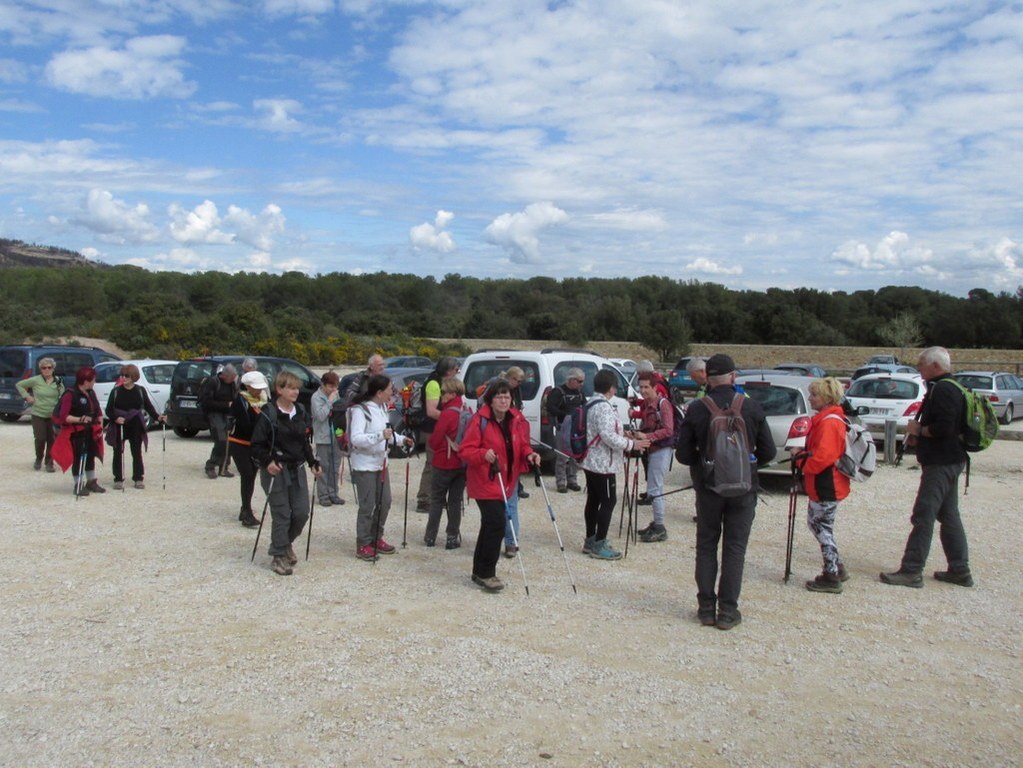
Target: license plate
[880,411]
[6,396]
[193,404]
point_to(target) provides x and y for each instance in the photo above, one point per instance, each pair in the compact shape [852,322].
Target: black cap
[720,365]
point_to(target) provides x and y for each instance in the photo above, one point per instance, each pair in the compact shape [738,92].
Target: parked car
[544,370]
[183,413]
[1004,390]
[21,361]
[873,368]
[401,378]
[627,367]
[785,399]
[883,360]
[408,361]
[679,378]
[803,369]
[154,375]
[879,397]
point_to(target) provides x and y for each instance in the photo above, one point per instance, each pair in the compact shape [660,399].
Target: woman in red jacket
[495,445]
[447,477]
[824,484]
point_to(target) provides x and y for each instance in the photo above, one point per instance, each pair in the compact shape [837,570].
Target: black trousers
[130,434]
[601,497]
[728,522]
[242,456]
[488,544]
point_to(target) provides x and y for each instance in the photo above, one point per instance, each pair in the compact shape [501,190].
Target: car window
[106,374]
[188,376]
[588,368]
[777,401]
[975,382]
[621,383]
[303,375]
[13,362]
[1004,383]
[158,374]
[482,371]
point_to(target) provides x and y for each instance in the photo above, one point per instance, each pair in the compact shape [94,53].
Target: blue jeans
[512,519]
[657,469]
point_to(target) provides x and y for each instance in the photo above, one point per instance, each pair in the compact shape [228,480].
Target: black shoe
[644,500]
[453,542]
[250,522]
[959,578]
[227,473]
[727,621]
[510,550]
[574,487]
[37,465]
[706,616]
[337,501]
[429,542]
[563,490]
[843,574]
[654,533]
[903,579]
[211,473]
[523,493]
[825,582]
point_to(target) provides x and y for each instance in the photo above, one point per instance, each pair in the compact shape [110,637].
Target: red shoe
[384,548]
[366,553]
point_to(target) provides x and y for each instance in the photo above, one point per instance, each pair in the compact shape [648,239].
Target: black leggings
[601,496]
[242,455]
[493,516]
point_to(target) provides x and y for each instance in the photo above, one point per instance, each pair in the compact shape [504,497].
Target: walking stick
[262,517]
[550,511]
[793,494]
[515,539]
[227,449]
[312,506]
[404,530]
[376,514]
[80,479]
[163,453]
[120,451]
[625,496]
[630,532]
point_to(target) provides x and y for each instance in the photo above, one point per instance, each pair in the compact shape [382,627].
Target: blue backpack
[572,434]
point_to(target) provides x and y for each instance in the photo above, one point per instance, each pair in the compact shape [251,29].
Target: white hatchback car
[543,370]
[154,375]
[880,397]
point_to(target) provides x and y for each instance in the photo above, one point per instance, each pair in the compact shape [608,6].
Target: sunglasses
[45,367]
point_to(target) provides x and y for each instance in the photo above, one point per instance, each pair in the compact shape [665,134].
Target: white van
[544,370]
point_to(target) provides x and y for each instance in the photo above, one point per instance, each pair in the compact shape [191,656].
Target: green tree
[667,332]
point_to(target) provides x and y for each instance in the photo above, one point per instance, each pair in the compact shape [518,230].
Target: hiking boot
[50,467]
[211,473]
[227,473]
[337,501]
[280,566]
[523,493]
[644,531]
[589,544]
[728,620]
[140,485]
[453,542]
[37,465]
[574,487]
[510,550]
[959,578]
[490,584]
[94,487]
[903,579]
[644,500]
[325,502]
[429,542]
[249,520]
[654,533]
[562,489]
[290,556]
[366,553]
[843,574]
[706,617]
[81,490]
[384,548]
[604,551]
[825,582]
[118,485]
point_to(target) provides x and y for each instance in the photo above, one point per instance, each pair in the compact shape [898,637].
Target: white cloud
[893,252]
[632,220]
[147,67]
[517,232]
[998,265]
[276,115]
[204,225]
[114,220]
[200,225]
[433,236]
[256,230]
[706,266]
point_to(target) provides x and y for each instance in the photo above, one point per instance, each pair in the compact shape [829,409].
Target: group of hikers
[268,433]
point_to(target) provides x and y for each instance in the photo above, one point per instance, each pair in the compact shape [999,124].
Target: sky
[820,143]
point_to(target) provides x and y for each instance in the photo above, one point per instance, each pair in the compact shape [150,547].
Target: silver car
[880,397]
[1004,390]
[785,400]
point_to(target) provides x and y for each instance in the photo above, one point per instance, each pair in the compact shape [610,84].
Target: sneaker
[118,485]
[37,465]
[211,473]
[290,556]
[843,574]
[280,566]
[95,487]
[366,553]
[903,579]
[644,531]
[960,578]
[325,502]
[510,550]
[589,544]
[429,542]
[654,533]
[728,621]
[644,500]
[384,548]
[453,542]
[574,487]
[490,584]
[825,582]
[249,520]
[604,551]
[140,485]
[227,473]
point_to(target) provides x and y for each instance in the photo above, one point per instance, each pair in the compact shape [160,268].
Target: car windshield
[13,362]
[885,389]
[975,382]
[776,401]
[484,370]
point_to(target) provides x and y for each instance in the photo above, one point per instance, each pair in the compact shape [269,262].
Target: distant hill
[14,253]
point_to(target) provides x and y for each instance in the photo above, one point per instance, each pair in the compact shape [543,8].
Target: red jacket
[482,434]
[825,444]
[444,456]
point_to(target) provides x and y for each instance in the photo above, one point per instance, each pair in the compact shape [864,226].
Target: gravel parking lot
[136,632]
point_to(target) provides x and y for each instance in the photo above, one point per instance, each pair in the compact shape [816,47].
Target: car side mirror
[862,410]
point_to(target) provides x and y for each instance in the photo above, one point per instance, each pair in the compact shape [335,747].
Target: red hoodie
[483,434]
[444,455]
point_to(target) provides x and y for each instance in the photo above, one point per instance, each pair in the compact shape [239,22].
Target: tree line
[340,317]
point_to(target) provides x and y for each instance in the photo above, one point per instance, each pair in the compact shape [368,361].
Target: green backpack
[981,422]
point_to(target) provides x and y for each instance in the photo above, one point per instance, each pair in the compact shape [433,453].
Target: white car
[881,397]
[627,367]
[543,370]
[154,375]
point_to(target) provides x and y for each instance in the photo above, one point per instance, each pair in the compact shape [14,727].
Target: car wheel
[1007,417]
[185,432]
[11,417]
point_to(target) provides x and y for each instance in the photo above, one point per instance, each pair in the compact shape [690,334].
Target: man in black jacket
[215,397]
[942,458]
[727,519]
[560,403]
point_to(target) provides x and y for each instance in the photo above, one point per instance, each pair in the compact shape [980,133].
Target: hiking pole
[630,532]
[515,539]
[550,511]
[262,517]
[551,448]
[668,493]
[404,528]
[376,514]
[163,453]
[227,449]
[312,506]
[80,480]
[793,494]
[901,447]
[120,441]
[625,495]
